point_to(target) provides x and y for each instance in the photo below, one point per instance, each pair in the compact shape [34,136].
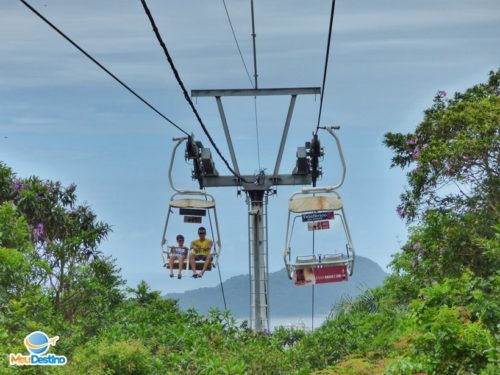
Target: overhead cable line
[313,289]
[218,265]
[256,86]
[326,65]
[254,50]
[102,67]
[257,129]
[248,74]
[181,84]
[237,44]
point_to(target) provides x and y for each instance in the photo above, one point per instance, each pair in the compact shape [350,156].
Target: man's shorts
[201,256]
[201,252]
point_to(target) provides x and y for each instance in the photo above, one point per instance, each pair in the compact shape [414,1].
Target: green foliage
[14,244]
[52,277]
[455,151]
[447,244]
[448,271]
[477,298]
[352,365]
[66,237]
[14,232]
[364,326]
[437,313]
[404,366]
[7,183]
[447,342]
[143,295]
[79,297]
[188,343]
[114,357]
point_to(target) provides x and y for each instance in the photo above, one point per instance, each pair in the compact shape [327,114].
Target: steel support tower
[257,189]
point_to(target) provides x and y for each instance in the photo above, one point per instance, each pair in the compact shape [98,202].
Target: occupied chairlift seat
[195,204]
[189,199]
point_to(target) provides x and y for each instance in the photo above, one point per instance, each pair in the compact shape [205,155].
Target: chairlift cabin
[195,206]
[316,207]
[194,210]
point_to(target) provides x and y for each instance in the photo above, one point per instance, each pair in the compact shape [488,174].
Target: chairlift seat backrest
[192,203]
[306,260]
[333,258]
[317,203]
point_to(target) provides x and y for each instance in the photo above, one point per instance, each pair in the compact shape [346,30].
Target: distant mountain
[286,299]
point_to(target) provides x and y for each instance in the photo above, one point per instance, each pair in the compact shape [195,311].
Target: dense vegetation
[437,313]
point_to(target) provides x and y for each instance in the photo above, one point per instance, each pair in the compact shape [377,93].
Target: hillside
[286,299]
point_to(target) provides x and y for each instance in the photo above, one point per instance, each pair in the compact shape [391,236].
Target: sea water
[304,323]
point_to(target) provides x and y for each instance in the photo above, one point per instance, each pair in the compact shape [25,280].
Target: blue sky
[62,118]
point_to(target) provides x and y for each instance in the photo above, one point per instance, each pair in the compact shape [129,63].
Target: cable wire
[102,66]
[312,295]
[218,264]
[181,84]
[222,288]
[257,130]
[248,74]
[237,44]
[256,81]
[254,49]
[326,65]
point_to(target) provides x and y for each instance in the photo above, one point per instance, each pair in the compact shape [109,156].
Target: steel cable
[326,64]
[237,44]
[218,264]
[102,66]
[181,84]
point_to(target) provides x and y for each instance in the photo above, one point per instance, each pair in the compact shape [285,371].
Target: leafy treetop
[454,153]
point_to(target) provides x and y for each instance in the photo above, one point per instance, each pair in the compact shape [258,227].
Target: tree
[453,187]
[143,295]
[454,152]
[66,236]
[14,246]
[446,278]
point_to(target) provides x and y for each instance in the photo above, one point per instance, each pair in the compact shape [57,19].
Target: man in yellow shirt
[201,250]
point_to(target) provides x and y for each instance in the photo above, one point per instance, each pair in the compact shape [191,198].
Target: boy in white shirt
[179,252]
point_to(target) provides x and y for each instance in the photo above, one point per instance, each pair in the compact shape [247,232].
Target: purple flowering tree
[453,194]
[453,155]
[66,236]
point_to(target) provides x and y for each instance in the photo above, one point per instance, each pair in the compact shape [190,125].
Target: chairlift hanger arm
[331,130]
[170,168]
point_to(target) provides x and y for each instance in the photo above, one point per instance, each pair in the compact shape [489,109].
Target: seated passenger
[179,252]
[200,251]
